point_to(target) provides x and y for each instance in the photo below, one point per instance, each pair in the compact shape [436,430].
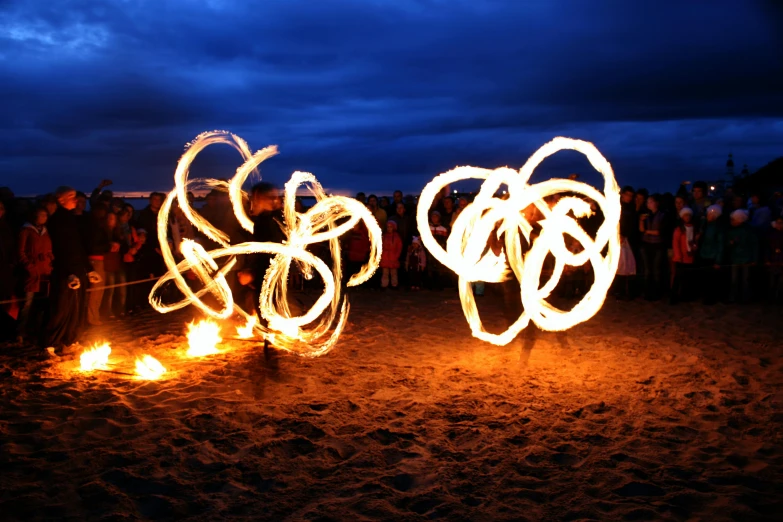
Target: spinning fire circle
[466,250]
[313,333]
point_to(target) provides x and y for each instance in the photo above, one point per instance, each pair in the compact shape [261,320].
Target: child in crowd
[35,257]
[435,269]
[415,263]
[114,297]
[390,256]
[773,259]
[711,254]
[357,243]
[684,245]
[742,254]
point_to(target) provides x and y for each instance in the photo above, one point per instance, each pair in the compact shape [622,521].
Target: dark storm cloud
[376,94]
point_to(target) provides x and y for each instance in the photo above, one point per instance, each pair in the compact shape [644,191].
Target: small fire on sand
[95,358]
[149,368]
[246,332]
[203,338]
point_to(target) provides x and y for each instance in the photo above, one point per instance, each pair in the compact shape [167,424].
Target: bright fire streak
[149,368]
[246,332]
[203,338]
[314,332]
[95,358]
[285,327]
[465,248]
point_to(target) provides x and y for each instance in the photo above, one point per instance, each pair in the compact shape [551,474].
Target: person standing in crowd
[391,209]
[71,271]
[152,258]
[773,260]
[35,258]
[383,203]
[128,239]
[81,204]
[684,246]
[406,227]
[461,204]
[212,212]
[742,255]
[629,229]
[379,213]
[415,264]
[640,200]
[357,249]
[390,256]
[101,197]
[100,244]
[361,197]
[113,296]
[435,270]
[653,248]
[710,254]
[182,229]
[49,202]
[447,211]
[760,214]
[699,202]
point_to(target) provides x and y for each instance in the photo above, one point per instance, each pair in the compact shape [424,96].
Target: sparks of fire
[316,331]
[149,368]
[95,358]
[203,338]
[246,331]
[466,250]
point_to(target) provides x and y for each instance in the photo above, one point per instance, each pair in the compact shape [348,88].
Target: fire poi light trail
[465,247]
[313,333]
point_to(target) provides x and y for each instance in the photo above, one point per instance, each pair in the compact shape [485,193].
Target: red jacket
[358,245]
[392,248]
[680,247]
[35,255]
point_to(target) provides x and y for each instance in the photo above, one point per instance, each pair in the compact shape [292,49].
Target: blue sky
[375,95]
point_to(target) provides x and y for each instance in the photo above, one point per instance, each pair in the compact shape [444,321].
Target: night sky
[376,95]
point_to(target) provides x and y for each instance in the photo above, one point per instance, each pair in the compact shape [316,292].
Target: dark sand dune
[646,412]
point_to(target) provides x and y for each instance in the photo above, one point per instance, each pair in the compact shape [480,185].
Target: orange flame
[203,338]
[95,358]
[246,332]
[149,368]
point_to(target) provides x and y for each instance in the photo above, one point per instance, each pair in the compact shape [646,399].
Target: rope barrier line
[129,283]
[92,289]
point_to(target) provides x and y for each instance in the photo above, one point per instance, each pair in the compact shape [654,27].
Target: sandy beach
[645,412]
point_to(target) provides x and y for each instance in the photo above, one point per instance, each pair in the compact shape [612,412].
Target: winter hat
[141,231]
[392,223]
[416,240]
[686,210]
[715,210]
[740,215]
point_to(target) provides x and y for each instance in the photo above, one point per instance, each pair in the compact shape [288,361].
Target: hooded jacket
[711,248]
[35,255]
[742,245]
[392,248]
